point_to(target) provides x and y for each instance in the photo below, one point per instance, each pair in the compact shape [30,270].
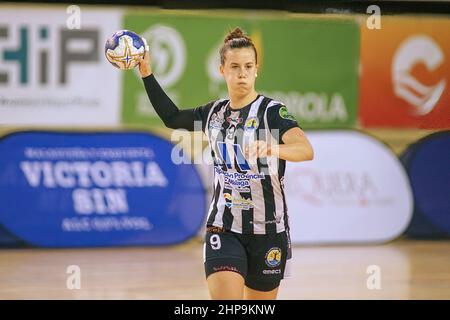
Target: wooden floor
[409,270]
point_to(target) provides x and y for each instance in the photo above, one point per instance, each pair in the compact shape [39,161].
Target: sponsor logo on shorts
[273,257]
[276,271]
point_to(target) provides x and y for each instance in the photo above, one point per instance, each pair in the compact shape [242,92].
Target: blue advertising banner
[7,240]
[427,163]
[60,189]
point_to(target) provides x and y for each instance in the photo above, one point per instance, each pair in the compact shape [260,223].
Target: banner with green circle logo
[309,64]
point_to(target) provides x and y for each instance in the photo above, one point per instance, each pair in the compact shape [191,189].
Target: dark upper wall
[306,6]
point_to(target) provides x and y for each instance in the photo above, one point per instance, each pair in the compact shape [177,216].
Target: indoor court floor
[405,269]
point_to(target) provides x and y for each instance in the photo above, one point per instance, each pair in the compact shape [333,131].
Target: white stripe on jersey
[236,226]
[259,208]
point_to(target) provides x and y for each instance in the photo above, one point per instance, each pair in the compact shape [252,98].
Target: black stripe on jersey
[247,215]
[206,111]
[281,167]
[281,170]
[285,215]
[227,218]
[216,196]
[269,197]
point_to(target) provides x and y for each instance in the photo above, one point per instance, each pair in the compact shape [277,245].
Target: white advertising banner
[354,191]
[53,71]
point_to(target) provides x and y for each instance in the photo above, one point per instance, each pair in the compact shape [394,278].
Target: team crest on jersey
[216,121]
[284,113]
[273,257]
[251,124]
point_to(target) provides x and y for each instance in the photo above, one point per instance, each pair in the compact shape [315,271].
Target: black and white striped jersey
[248,196]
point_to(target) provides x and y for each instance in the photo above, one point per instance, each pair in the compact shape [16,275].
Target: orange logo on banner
[405,78]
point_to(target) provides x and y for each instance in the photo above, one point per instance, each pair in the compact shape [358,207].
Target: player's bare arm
[296,147]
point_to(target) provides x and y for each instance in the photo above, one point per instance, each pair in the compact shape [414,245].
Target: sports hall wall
[85,161]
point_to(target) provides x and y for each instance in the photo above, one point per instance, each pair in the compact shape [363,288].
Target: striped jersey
[248,196]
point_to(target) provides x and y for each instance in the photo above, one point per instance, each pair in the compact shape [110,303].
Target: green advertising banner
[309,64]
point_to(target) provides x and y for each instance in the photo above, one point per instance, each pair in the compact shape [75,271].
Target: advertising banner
[52,67]
[408,85]
[355,191]
[62,189]
[309,64]
[427,163]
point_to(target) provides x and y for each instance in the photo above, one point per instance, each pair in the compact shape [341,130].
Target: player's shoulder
[276,109]
[213,106]
[272,104]
[216,103]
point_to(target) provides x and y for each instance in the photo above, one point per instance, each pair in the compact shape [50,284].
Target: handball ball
[124,49]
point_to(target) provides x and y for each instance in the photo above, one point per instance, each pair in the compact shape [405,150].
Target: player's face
[239,70]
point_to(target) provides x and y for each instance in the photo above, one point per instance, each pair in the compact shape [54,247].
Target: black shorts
[260,259]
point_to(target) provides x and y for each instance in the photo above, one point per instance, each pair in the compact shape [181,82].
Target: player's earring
[256,75]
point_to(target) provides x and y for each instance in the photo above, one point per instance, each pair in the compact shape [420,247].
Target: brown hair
[236,39]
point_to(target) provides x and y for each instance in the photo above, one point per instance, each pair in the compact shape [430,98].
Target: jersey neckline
[232,109]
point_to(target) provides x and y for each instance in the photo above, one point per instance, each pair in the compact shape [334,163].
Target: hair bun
[235,34]
[236,39]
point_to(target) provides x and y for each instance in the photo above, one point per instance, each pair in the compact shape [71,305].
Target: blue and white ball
[124,49]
